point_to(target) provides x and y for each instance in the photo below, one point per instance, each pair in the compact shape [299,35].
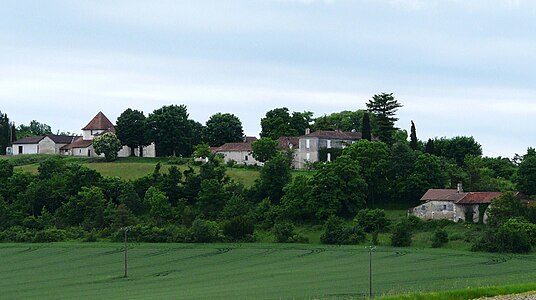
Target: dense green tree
[86,209]
[345,120]
[373,160]
[212,198]
[198,131]
[384,107]
[274,176]
[526,176]
[131,129]
[414,143]
[34,129]
[366,129]
[429,172]
[296,200]
[279,122]
[338,189]
[171,130]
[107,144]
[159,207]
[457,148]
[264,149]
[223,128]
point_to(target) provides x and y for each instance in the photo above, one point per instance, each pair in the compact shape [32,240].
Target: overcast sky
[459,67]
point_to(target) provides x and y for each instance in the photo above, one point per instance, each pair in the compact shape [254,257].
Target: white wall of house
[84,152]
[48,146]
[436,210]
[307,152]
[241,157]
[148,151]
[89,134]
[26,149]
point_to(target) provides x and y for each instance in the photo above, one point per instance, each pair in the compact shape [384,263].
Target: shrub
[336,232]
[203,231]
[238,228]
[512,236]
[372,220]
[401,236]
[285,233]
[230,163]
[440,238]
[49,235]
[17,234]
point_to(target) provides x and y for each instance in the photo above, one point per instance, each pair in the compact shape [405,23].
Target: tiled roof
[285,142]
[479,197]
[438,194]
[243,146]
[327,134]
[29,140]
[78,143]
[61,139]
[100,122]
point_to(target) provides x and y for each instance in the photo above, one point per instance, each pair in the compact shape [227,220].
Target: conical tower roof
[100,122]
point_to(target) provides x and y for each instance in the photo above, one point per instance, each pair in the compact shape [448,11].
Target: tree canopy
[223,128]
[131,129]
[278,122]
[171,130]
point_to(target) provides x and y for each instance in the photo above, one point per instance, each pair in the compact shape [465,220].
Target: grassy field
[244,271]
[132,168]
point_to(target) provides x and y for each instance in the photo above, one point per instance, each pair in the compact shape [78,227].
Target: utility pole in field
[126,229]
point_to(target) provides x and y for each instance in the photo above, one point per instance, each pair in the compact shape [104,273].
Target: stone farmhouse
[456,205]
[307,148]
[76,145]
[239,152]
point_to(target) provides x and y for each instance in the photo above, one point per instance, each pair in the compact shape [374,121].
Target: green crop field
[244,271]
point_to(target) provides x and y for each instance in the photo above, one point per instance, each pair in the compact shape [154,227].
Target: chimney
[460,188]
[307,131]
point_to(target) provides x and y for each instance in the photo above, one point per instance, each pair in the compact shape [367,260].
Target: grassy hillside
[244,271]
[132,168]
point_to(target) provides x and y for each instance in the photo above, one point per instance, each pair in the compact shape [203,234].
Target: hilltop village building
[311,147]
[76,145]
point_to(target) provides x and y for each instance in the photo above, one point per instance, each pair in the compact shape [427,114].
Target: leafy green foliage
[337,233]
[171,130]
[239,229]
[372,220]
[278,122]
[264,149]
[131,129]
[401,235]
[274,176]
[414,142]
[107,144]
[34,129]
[526,176]
[440,238]
[223,128]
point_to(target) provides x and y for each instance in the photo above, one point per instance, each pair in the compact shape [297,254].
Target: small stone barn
[455,205]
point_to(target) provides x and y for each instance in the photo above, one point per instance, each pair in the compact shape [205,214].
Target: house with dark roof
[322,145]
[238,152]
[456,205]
[43,144]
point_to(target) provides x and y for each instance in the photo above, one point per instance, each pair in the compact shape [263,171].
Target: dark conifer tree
[429,148]
[384,107]
[366,127]
[413,137]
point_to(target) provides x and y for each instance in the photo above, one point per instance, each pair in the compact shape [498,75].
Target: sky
[458,67]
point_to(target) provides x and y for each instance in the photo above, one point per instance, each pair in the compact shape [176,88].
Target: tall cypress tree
[366,127]
[413,137]
[5,128]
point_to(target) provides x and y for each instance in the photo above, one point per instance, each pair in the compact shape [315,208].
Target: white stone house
[239,152]
[312,143]
[455,205]
[76,145]
[44,144]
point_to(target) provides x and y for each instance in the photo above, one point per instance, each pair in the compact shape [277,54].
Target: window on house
[444,207]
[20,150]
[329,157]
[329,143]
[308,156]
[307,143]
[246,158]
